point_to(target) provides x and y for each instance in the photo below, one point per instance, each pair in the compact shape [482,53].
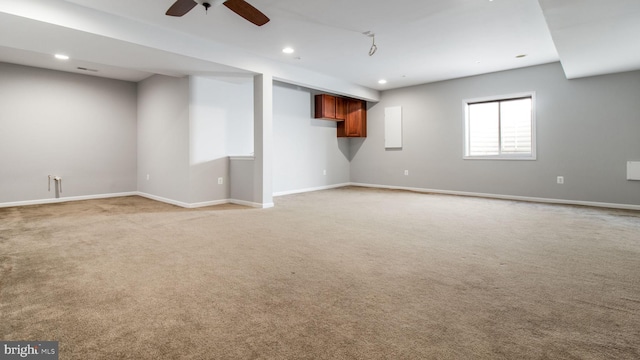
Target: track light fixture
[374,47]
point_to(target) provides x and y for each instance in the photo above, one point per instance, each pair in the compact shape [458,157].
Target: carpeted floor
[350,273]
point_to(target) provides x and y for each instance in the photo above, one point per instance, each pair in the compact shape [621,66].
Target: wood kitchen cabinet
[355,123]
[351,114]
[330,107]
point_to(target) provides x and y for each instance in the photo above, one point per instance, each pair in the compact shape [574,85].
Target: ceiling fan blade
[181,7]
[247,11]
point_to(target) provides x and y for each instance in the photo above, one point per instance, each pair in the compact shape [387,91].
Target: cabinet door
[341,111]
[325,107]
[355,124]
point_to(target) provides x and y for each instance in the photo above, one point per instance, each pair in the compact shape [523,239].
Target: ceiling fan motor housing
[212,3]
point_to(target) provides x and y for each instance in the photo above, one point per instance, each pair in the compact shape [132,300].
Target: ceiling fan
[240,7]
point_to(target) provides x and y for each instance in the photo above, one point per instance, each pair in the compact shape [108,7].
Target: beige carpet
[351,273]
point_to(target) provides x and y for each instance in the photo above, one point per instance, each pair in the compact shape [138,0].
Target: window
[500,128]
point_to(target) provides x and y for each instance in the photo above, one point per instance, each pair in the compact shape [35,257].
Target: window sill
[529,158]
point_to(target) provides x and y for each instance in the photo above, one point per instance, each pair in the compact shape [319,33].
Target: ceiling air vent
[87,69]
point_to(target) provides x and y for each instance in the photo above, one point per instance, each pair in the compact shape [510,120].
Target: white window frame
[465,105]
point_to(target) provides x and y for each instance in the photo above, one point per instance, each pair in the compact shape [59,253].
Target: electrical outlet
[324,172]
[147,176]
[406,172]
[560,179]
[220,181]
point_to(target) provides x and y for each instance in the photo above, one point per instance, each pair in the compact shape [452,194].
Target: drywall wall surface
[587,130]
[221,118]
[231,99]
[241,173]
[304,147]
[163,137]
[81,128]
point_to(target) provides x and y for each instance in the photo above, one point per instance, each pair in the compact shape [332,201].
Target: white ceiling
[418,41]
[595,37]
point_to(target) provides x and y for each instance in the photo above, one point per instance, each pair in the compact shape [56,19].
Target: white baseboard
[163,199]
[105,196]
[66,199]
[327,187]
[269,205]
[506,197]
[206,203]
[251,204]
[184,204]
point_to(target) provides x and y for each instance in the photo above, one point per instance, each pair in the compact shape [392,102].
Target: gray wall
[93,133]
[163,137]
[221,123]
[303,146]
[185,129]
[79,127]
[587,129]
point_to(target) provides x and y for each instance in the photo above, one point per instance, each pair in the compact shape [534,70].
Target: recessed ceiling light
[288,50]
[382,81]
[61,57]
[521,56]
